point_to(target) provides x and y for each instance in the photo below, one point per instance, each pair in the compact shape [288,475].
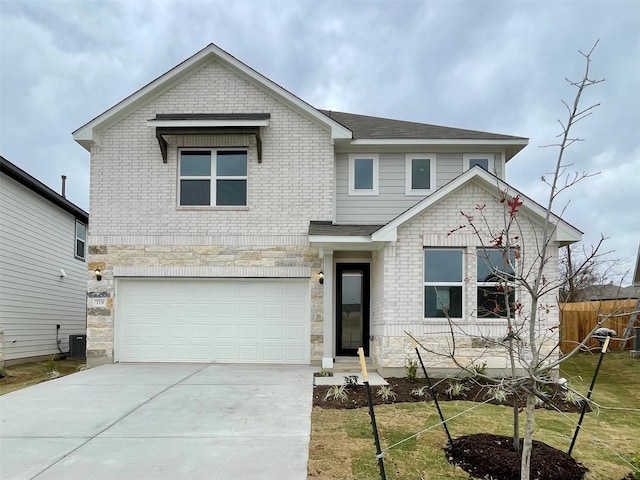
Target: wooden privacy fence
[578,319]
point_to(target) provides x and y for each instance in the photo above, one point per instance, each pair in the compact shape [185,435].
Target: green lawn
[342,447]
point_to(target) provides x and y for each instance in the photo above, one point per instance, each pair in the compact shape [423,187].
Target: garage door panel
[273,332]
[223,320]
[294,312]
[248,332]
[295,333]
[296,354]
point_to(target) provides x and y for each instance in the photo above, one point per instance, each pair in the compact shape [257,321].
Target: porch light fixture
[98,274]
[321,277]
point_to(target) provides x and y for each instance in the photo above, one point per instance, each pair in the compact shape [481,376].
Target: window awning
[208,124]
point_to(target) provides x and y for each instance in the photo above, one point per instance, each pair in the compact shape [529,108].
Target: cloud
[487,65]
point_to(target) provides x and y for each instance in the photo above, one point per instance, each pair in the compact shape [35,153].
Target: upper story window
[420,174]
[81,240]
[495,283]
[484,160]
[363,174]
[213,177]
[443,283]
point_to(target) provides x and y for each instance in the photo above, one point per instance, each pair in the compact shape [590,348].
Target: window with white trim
[212,177]
[484,160]
[443,282]
[496,290]
[420,174]
[363,174]
[81,240]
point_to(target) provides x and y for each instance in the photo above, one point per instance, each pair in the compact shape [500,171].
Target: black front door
[352,308]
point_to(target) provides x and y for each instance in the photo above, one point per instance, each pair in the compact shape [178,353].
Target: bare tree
[522,278]
[582,270]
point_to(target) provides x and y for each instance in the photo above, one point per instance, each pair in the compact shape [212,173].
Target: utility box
[77,347]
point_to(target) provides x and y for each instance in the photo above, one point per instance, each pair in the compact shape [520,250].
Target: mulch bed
[357,397]
[492,457]
[485,456]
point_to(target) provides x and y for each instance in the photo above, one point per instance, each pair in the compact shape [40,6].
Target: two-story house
[43,274]
[234,222]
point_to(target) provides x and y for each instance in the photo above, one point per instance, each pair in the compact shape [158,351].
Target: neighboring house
[233,222]
[42,267]
[609,291]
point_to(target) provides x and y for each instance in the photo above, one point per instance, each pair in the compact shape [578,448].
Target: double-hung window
[420,174]
[213,177]
[496,290]
[81,240]
[484,160]
[363,174]
[443,283]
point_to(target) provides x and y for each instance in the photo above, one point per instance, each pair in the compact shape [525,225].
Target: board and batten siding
[37,240]
[392,199]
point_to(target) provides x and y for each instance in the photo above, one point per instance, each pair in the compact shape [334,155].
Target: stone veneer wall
[248,261]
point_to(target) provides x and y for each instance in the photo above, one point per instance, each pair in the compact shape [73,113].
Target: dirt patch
[27,374]
[492,457]
[405,391]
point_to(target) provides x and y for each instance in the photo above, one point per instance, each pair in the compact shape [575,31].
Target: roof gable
[87,134]
[564,234]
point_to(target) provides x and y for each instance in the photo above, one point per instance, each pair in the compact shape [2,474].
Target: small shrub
[479,368]
[386,393]
[53,374]
[337,392]
[420,392]
[325,373]
[351,381]
[50,366]
[570,396]
[456,388]
[412,369]
[635,461]
[499,393]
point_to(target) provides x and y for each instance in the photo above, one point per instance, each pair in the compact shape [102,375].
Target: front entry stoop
[349,366]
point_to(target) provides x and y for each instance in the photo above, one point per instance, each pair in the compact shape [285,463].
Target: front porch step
[351,364]
[348,366]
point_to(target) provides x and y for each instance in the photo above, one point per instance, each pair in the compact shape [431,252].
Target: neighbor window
[420,174]
[443,283]
[496,289]
[213,177]
[484,160]
[363,174]
[81,240]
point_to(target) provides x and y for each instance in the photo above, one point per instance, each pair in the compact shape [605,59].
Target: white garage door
[205,320]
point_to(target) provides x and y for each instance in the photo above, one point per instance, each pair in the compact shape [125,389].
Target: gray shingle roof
[364,126]
[329,229]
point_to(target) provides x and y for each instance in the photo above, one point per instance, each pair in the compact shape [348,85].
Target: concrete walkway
[160,421]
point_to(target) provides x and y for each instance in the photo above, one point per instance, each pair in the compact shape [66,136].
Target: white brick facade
[134,193]
[403,291]
[137,227]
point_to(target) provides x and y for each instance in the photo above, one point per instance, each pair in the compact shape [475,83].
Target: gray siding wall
[391,200]
[37,239]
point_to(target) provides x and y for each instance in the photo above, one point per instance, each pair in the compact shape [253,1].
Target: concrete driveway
[160,421]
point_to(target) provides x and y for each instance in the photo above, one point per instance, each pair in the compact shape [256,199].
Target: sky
[495,66]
